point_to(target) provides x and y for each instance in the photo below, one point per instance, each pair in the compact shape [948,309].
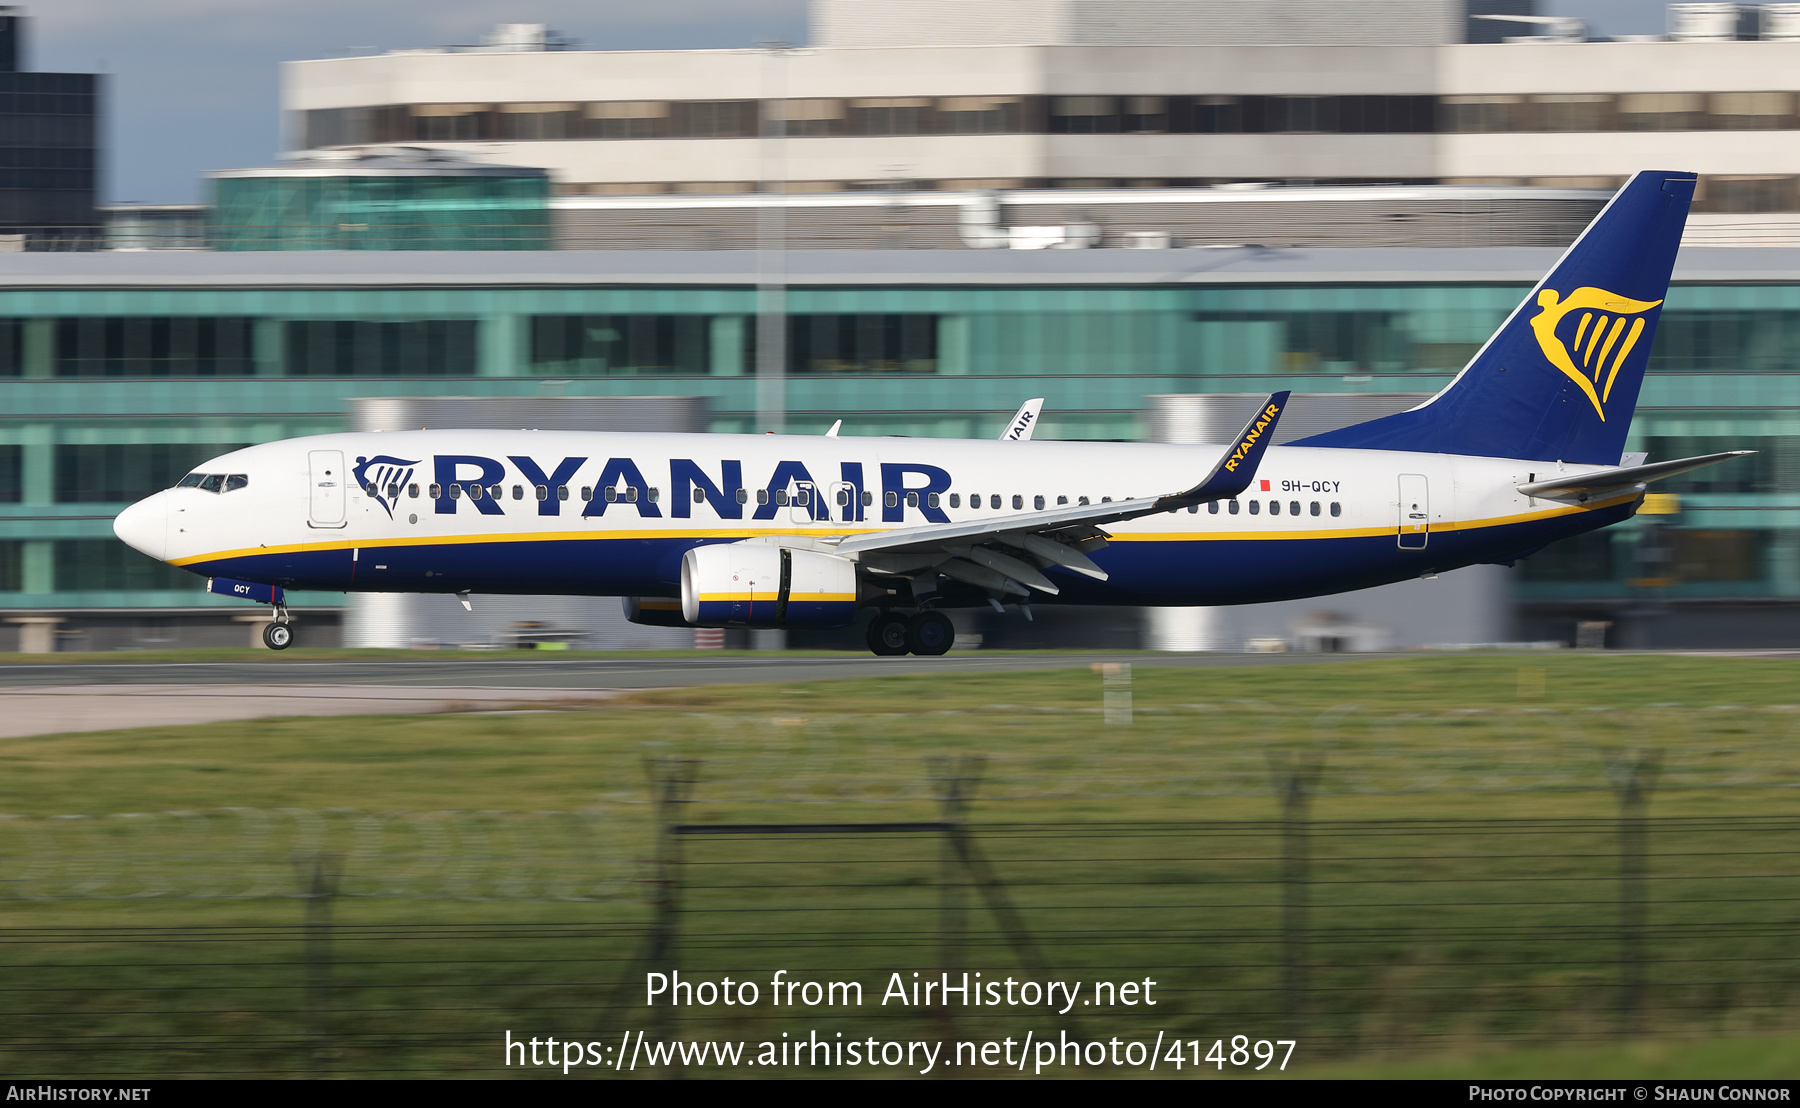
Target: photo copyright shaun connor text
[1033,1052]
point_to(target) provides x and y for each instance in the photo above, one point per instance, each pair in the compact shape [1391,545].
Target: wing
[1005,554]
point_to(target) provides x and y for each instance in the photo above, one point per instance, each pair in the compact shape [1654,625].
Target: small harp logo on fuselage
[382,477]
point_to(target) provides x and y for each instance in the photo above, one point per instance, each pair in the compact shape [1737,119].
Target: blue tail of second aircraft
[1559,380]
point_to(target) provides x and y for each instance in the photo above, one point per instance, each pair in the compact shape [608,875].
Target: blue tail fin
[1559,380]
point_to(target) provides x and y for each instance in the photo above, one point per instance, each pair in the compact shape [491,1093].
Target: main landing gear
[927,634]
[279,633]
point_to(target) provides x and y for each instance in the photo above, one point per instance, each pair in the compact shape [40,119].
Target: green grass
[1463,891]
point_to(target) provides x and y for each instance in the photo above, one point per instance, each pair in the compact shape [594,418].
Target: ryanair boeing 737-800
[1523,448]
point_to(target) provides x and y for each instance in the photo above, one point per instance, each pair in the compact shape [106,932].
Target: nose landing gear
[927,634]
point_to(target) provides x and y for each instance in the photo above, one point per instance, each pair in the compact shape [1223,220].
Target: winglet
[1024,421]
[1238,467]
[835,427]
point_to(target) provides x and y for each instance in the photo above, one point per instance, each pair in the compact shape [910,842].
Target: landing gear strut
[927,634]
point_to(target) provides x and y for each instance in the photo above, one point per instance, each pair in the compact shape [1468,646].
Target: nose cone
[145,526]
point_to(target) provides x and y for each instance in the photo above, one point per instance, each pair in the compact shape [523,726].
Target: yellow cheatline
[389,543]
[744,533]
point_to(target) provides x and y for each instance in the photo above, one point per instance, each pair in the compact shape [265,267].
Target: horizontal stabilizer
[1603,482]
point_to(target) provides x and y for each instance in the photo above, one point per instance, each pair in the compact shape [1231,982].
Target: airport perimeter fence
[1347,888]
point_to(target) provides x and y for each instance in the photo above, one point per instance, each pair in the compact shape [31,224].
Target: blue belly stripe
[1210,571]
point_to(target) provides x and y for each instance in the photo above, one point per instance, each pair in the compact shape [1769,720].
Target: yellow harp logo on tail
[1604,334]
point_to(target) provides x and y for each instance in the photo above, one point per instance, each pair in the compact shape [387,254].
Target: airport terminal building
[121,370]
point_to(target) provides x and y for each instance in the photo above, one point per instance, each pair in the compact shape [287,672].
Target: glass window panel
[598,345]
[1719,555]
[1586,557]
[90,565]
[12,576]
[12,484]
[121,472]
[372,348]
[153,346]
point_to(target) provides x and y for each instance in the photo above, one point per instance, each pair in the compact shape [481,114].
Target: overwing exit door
[326,486]
[1415,511]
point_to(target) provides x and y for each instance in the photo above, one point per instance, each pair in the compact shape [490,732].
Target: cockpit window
[214,482]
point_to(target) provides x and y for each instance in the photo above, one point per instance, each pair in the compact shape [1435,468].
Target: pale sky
[192,84]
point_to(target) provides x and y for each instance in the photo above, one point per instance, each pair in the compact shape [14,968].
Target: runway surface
[55,698]
[512,671]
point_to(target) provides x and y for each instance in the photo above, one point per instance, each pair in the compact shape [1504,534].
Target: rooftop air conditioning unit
[1703,22]
[1780,23]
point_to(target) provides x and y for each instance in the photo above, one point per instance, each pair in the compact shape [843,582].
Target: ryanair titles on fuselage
[454,478]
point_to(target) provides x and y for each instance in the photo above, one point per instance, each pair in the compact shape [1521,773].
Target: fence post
[671,787]
[1294,777]
[1633,776]
[318,878]
[1116,691]
[955,780]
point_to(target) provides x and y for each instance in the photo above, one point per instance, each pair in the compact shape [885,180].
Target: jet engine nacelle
[756,585]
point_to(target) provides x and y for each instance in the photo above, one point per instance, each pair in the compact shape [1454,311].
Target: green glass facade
[370,212]
[192,371]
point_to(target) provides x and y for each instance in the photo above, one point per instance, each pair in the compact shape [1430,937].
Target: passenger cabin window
[1082,500]
[1061,500]
[762,496]
[542,491]
[1212,507]
[1274,507]
[1018,502]
[1038,503]
[743,496]
[519,492]
[843,498]
[781,497]
[994,500]
[1193,509]
[1315,507]
[611,495]
[562,492]
[868,499]
[699,496]
[1336,508]
[931,500]
[912,500]
[587,492]
[413,491]
[956,500]
[437,491]
[1294,507]
[1255,506]
[892,500]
